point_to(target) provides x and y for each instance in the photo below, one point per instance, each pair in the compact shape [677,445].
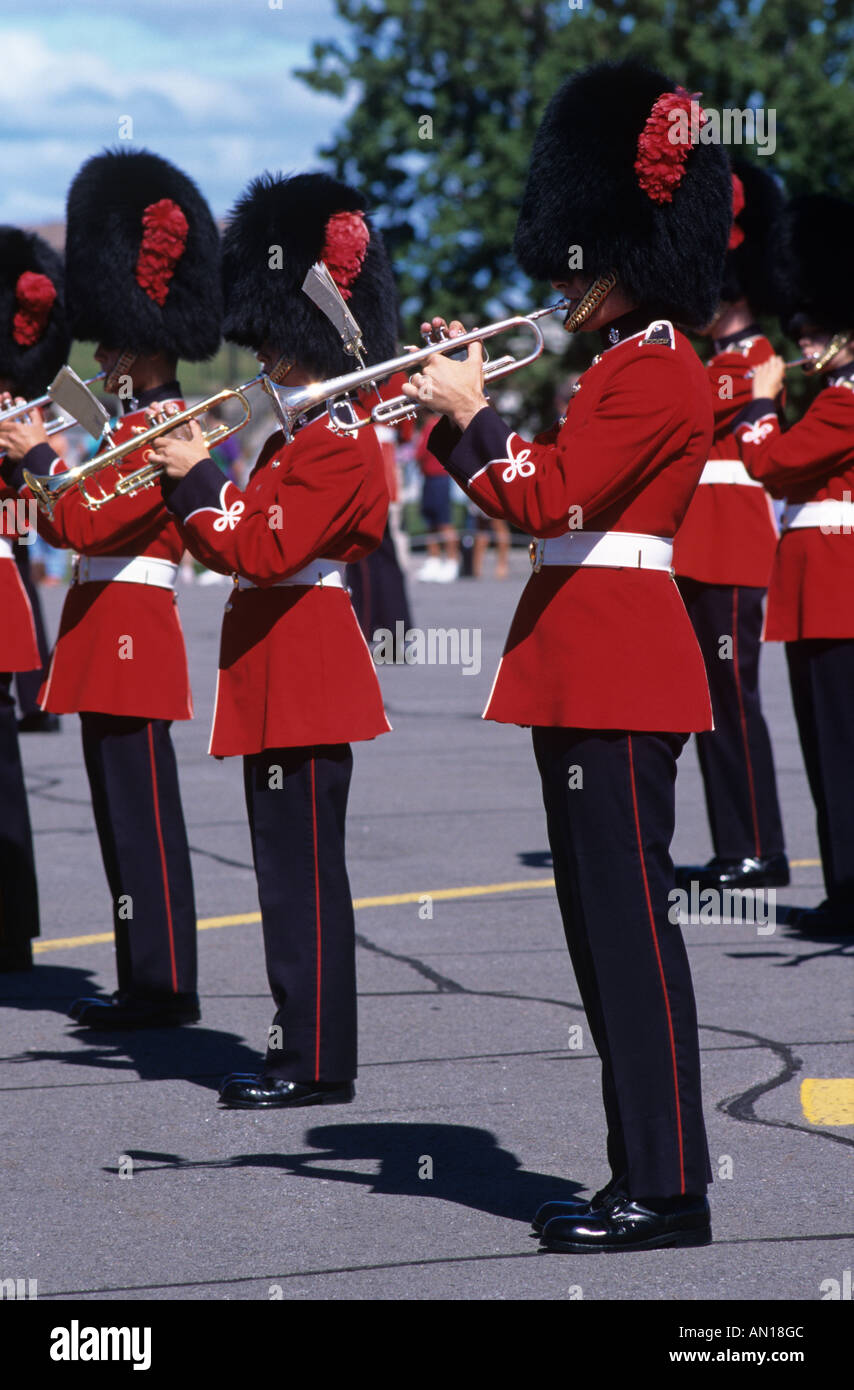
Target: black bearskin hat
[142,258]
[758,202]
[814,272]
[666,238]
[278,229]
[34,337]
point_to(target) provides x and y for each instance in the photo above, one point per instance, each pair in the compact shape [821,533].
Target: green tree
[451,92]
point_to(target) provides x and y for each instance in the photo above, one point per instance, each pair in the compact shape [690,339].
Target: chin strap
[122,368]
[836,344]
[279,371]
[590,301]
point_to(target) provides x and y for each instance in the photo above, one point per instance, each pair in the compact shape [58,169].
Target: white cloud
[223,108]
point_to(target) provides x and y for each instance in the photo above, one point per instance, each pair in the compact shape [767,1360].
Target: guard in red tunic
[722,556]
[811,465]
[601,659]
[142,266]
[296,683]
[33,346]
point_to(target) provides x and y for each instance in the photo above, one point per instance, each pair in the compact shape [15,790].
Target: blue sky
[207,84]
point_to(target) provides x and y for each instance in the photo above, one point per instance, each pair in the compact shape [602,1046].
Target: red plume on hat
[164,239]
[736,236]
[35,296]
[660,163]
[347,238]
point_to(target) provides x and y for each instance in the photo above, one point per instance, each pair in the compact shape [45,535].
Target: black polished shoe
[629,1225]
[580,1206]
[828,919]
[771,871]
[242,1092]
[134,1011]
[40,721]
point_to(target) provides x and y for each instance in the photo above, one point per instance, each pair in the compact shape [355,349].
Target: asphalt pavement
[478,1093]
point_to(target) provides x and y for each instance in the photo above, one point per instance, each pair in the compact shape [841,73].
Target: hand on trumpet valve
[767,379]
[179,449]
[18,436]
[450,388]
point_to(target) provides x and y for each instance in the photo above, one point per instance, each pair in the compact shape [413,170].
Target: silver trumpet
[61,421]
[805,362]
[398,408]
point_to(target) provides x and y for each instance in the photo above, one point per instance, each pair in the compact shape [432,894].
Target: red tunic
[18,646]
[590,647]
[294,668]
[93,666]
[729,534]
[811,593]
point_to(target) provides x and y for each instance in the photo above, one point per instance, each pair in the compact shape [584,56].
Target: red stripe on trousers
[744,722]
[163,868]
[660,969]
[318,930]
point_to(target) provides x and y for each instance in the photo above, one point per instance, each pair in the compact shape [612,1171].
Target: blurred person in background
[443,557]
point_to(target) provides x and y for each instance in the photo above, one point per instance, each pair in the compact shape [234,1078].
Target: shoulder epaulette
[661,333]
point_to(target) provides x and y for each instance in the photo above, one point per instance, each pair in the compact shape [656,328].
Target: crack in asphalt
[445,985]
[742,1105]
[220,858]
[739,1107]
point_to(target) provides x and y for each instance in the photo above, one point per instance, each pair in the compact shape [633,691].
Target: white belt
[124,569]
[328,574]
[609,549]
[832,514]
[6,550]
[727,471]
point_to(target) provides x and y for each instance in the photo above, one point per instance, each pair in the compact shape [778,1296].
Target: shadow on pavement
[197,1054]
[536,858]
[467,1165]
[53,987]
[202,1056]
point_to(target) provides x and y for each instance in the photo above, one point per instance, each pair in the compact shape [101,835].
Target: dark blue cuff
[40,459]
[443,438]
[198,488]
[484,439]
[755,410]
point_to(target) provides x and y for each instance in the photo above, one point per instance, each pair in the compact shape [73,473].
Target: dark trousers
[297,804]
[736,760]
[19,900]
[821,674]
[133,777]
[29,683]
[609,799]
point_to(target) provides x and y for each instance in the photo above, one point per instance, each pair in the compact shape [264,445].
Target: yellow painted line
[63,943]
[804,863]
[240,919]
[478,890]
[828,1101]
